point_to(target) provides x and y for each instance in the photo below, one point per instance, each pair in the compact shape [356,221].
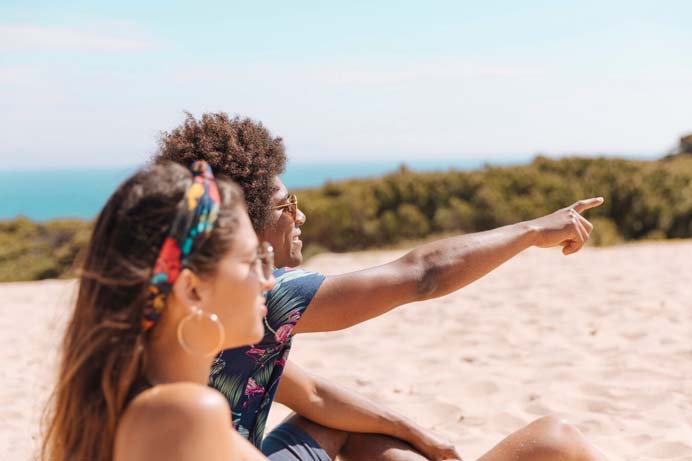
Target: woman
[173,274]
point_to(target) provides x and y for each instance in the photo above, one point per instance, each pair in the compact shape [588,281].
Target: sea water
[43,194]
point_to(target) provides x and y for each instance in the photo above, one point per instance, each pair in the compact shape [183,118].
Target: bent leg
[356,446]
[375,447]
[546,439]
[330,440]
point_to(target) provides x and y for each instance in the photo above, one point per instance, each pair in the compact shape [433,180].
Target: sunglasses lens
[293,202]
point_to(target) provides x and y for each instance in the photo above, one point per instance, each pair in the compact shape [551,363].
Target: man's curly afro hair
[240,149]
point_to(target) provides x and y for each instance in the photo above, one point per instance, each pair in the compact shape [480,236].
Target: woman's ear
[187,288]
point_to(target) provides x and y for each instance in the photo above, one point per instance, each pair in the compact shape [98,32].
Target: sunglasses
[291,206]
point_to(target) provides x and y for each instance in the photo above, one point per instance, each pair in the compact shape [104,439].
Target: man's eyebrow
[282,198]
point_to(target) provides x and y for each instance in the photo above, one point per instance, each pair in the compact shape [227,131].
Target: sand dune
[603,338]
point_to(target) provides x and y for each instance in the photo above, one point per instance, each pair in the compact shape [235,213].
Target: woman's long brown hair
[103,347]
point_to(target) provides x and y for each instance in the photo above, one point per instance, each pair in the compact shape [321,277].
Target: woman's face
[235,293]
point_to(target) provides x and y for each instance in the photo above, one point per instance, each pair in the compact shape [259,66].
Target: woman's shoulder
[168,420]
[180,398]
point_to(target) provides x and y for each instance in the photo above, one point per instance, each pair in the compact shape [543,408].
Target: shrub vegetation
[35,251]
[643,200]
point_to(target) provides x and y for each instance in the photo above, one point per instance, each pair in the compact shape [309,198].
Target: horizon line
[490,158]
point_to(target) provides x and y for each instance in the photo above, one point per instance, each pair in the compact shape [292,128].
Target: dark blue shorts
[288,442]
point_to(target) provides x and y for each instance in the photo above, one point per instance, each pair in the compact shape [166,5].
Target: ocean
[80,193]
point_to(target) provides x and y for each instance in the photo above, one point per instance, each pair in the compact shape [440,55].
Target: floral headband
[195,219]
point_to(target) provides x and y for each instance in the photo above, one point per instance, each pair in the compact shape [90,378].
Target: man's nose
[300,217]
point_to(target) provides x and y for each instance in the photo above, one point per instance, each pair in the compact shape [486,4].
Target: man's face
[283,231]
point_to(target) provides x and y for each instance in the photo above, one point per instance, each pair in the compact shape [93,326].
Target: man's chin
[291,261]
[296,259]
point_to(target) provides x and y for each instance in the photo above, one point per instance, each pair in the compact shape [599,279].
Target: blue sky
[83,83]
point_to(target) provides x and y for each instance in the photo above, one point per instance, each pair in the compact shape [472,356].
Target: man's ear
[187,287]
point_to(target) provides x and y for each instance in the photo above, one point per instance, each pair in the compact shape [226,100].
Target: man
[328,419]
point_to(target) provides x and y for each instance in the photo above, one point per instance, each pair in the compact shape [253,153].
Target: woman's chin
[253,336]
[259,334]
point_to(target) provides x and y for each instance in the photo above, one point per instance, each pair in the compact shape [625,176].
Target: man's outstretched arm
[330,405]
[438,268]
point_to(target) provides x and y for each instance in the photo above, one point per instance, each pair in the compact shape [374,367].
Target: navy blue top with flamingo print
[249,376]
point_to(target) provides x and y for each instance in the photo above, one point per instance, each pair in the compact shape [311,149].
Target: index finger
[583,205]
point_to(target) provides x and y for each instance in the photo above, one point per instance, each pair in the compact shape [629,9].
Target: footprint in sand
[634,335]
[596,389]
[639,440]
[664,450]
[481,388]
[597,426]
[595,406]
[537,408]
[506,422]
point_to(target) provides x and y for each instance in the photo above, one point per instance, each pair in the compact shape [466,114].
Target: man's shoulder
[287,274]
[288,299]
[296,282]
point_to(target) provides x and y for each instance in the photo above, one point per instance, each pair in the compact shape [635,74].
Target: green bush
[644,200]
[457,216]
[605,232]
[34,251]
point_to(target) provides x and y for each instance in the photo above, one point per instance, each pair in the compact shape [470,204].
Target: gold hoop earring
[199,316]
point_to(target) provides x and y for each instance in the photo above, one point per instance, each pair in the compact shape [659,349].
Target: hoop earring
[198,316]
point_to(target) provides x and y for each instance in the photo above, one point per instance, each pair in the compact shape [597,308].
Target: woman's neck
[167,362]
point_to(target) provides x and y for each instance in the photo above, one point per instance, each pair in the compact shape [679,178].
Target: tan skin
[353,427]
[180,417]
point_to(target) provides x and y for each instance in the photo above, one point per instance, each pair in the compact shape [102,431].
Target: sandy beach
[603,338]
